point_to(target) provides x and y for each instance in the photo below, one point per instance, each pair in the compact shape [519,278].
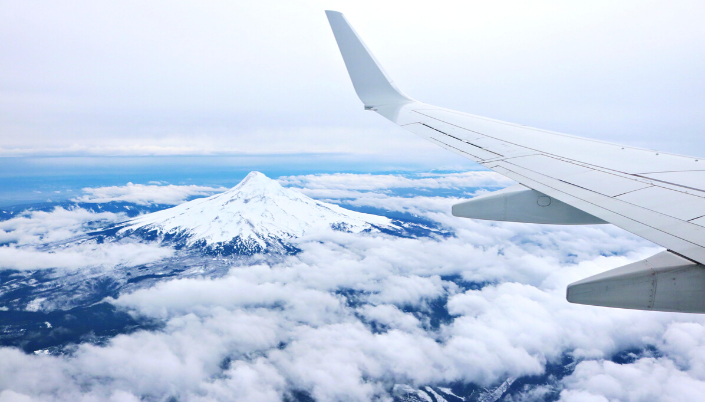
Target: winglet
[372,84]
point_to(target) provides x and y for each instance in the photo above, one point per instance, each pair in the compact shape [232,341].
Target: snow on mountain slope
[252,217]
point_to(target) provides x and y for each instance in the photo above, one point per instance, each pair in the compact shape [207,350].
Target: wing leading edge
[655,195]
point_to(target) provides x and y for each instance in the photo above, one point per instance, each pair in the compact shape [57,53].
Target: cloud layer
[24,238]
[351,315]
[349,181]
[36,227]
[143,194]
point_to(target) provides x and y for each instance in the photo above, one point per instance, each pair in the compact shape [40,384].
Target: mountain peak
[256,182]
[256,214]
[255,178]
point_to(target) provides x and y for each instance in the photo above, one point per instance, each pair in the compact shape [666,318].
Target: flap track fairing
[522,204]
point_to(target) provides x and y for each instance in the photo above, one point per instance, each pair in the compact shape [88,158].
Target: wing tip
[371,82]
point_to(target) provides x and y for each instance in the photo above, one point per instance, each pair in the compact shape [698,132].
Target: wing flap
[694,180]
[580,175]
[669,202]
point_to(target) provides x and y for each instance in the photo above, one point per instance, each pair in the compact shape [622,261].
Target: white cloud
[33,227]
[28,232]
[424,206]
[390,316]
[84,255]
[368,190]
[184,296]
[409,290]
[647,379]
[349,181]
[146,194]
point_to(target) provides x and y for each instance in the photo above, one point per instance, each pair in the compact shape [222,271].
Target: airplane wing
[565,179]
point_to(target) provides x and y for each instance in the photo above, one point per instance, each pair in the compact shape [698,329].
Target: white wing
[565,179]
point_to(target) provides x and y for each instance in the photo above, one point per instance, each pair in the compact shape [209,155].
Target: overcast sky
[187,77]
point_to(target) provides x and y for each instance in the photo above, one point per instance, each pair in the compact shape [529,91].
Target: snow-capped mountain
[257,215]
